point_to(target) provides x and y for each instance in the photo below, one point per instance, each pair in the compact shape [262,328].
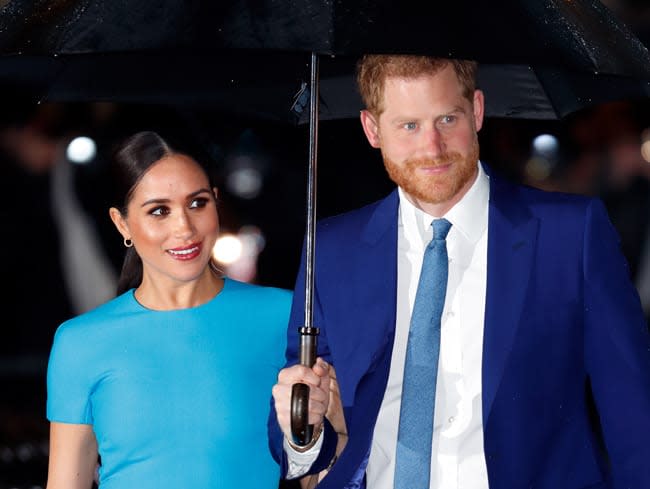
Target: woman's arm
[73,456]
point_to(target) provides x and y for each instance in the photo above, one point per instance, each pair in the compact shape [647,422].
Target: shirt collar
[468,216]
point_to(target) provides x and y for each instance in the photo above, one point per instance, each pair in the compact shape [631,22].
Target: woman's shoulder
[254,301]
[257,291]
[103,314]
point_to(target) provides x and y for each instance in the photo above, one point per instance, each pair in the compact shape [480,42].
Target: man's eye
[448,119]
[410,126]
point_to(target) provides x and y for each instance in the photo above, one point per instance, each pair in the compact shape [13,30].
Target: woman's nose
[183,225]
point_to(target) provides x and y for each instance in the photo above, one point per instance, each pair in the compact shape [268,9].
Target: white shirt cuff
[299,463]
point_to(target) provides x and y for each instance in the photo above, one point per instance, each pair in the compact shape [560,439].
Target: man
[543,376]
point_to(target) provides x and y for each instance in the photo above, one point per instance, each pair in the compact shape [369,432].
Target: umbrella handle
[301,430]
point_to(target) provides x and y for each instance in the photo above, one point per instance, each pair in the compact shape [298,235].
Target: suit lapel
[512,235]
[372,299]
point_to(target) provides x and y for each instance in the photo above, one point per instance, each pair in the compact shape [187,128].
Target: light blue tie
[413,457]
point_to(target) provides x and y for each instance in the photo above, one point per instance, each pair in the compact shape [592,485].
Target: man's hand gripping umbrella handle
[301,430]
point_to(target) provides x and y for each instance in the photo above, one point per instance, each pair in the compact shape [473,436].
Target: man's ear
[120,223]
[370,128]
[479,109]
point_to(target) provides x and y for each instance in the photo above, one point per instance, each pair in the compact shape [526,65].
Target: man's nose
[433,142]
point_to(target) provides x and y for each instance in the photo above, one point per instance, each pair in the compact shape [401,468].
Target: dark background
[598,153]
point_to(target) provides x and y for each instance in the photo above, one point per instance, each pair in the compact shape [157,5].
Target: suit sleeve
[617,351]
[296,320]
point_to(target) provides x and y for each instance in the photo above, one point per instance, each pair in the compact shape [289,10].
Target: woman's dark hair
[131,160]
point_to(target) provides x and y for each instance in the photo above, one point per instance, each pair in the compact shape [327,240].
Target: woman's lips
[185,252]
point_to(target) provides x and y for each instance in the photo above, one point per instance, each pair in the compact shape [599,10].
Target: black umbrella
[541,59]
[293,60]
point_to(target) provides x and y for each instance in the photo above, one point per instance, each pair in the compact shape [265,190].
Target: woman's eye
[159,211]
[198,203]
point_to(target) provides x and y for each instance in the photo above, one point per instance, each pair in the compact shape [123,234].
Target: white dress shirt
[458,460]
[458,457]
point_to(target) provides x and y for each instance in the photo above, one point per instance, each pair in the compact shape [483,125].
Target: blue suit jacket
[566,353]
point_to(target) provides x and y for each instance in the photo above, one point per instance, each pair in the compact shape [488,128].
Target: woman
[169,382]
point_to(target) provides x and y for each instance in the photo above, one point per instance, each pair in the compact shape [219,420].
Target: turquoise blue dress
[177,399]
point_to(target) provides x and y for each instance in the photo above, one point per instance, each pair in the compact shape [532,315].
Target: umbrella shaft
[311,193]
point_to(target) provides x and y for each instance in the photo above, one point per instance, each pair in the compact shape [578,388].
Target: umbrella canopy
[540,59]
[580,34]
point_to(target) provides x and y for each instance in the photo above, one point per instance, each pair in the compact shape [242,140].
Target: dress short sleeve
[68,379]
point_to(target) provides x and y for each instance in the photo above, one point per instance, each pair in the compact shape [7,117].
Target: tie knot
[440,228]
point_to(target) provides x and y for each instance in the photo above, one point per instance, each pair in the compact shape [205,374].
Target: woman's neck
[165,295]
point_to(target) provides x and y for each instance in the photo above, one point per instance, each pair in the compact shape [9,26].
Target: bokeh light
[81,150]
[227,249]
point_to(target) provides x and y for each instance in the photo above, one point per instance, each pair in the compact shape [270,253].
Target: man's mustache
[433,162]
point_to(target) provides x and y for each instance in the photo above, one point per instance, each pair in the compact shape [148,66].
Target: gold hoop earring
[127,242]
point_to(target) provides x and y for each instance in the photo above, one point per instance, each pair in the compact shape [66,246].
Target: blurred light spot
[546,145]
[25,451]
[245,182]
[645,151]
[252,239]
[81,150]
[237,254]
[227,249]
[245,267]
[544,158]
[645,145]
[538,169]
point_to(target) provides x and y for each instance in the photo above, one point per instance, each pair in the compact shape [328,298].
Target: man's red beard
[434,189]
